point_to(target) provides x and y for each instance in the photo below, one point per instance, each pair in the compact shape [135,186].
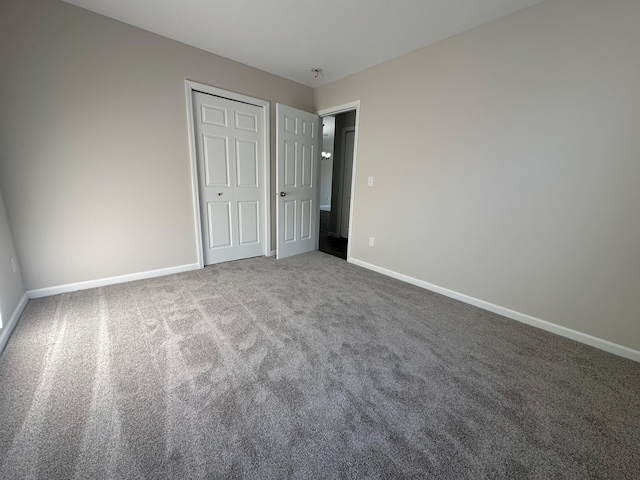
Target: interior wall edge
[6,331]
[581,337]
[103,282]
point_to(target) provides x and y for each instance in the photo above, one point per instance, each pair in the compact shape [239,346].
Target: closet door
[229,143]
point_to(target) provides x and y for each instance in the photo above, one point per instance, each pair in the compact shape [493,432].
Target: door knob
[283,194]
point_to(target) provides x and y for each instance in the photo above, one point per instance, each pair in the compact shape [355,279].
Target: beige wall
[94,155]
[11,287]
[507,165]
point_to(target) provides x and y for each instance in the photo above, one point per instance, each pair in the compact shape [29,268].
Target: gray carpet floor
[307,367]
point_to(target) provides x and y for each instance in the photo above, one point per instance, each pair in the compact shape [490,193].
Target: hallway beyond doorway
[331,245]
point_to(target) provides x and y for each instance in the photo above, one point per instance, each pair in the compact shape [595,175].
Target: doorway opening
[336,177]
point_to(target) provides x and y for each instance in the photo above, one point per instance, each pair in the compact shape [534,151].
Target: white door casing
[335,111]
[229,144]
[348,142]
[297,150]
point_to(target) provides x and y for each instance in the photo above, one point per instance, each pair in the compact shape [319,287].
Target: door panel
[219,221]
[308,127]
[307,166]
[216,156]
[230,149]
[305,219]
[289,219]
[289,164]
[245,121]
[212,115]
[248,221]
[290,124]
[247,162]
[297,139]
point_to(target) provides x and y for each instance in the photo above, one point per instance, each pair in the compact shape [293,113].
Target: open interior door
[297,150]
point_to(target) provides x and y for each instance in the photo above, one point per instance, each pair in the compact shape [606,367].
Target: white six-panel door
[229,137]
[297,137]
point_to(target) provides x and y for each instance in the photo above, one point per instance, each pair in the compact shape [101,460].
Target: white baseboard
[72,287]
[273,253]
[13,320]
[596,342]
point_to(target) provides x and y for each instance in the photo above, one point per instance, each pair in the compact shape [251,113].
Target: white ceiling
[290,37]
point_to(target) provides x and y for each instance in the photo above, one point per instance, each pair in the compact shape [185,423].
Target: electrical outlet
[14,264]
[372,241]
[370,182]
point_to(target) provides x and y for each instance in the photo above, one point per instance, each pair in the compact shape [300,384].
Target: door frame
[346,107]
[343,183]
[190,86]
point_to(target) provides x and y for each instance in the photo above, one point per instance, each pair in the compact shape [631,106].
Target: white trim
[343,154]
[102,282]
[273,253]
[320,147]
[194,173]
[13,321]
[347,107]
[265,105]
[596,342]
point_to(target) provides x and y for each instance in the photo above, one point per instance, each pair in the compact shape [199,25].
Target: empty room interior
[166,306]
